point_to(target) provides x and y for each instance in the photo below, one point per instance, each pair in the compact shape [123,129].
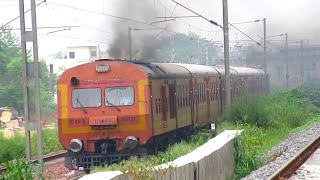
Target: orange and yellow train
[109,110]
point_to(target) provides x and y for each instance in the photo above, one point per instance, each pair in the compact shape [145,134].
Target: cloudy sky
[296,17]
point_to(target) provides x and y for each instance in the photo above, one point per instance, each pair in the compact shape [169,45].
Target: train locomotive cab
[103,112]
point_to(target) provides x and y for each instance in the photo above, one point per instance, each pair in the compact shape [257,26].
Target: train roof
[221,70]
[179,70]
[198,70]
[247,70]
[168,70]
[176,70]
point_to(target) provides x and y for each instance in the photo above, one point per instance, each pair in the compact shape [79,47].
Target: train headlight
[131,142]
[75,145]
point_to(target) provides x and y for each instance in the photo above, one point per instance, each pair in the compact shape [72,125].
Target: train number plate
[103,121]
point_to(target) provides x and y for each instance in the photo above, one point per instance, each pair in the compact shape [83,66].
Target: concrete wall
[213,160]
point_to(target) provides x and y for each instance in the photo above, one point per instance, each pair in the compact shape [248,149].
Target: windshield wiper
[84,109]
[112,105]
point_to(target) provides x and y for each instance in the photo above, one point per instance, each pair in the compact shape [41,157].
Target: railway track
[46,158]
[298,160]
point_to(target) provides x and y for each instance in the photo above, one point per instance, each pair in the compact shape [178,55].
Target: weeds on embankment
[142,168]
[266,122]
[15,147]
[20,170]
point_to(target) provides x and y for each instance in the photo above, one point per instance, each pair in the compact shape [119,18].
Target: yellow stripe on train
[63,88]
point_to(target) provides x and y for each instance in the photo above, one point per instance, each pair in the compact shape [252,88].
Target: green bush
[248,154]
[19,170]
[290,109]
[140,168]
[266,122]
[15,146]
[311,90]
[11,148]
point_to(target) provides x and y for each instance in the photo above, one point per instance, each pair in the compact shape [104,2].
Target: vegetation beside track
[267,121]
[140,168]
[15,147]
[20,170]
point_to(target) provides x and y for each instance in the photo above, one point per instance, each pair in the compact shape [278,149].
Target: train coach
[109,110]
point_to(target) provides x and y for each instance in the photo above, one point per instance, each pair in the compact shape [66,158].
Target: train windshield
[119,96]
[82,98]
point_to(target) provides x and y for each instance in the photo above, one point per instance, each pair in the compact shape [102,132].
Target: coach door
[195,101]
[173,104]
[207,97]
[164,106]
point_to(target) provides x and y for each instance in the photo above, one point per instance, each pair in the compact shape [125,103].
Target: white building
[72,56]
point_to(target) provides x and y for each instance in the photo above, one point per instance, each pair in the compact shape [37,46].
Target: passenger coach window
[119,96]
[82,98]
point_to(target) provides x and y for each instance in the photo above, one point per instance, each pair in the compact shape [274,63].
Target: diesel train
[109,110]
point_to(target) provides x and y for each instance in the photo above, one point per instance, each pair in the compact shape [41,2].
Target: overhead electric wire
[123,18]
[70,37]
[259,44]
[19,16]
[46,27]
[185,21]
[109,15]
[92,27]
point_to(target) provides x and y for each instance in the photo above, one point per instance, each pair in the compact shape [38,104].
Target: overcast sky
[297,17]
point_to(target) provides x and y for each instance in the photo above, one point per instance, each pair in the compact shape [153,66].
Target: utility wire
[259,44]
[70,37]
[46,27]
[210,21]
[175,16]
[113,16]
[109,15]
[94,12]
[19,16]
[91,27]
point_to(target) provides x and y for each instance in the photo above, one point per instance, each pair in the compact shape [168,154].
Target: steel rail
[296,162]
[46,158]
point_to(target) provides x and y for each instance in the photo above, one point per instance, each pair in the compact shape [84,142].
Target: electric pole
[302,61]
[226,52]
[31,81]
[287,59]
[264,45]
[130,43]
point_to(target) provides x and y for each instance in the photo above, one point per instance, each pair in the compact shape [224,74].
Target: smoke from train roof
[144,38]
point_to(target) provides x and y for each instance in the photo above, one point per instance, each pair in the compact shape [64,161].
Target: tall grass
[142,168]
[20,170]
[266,122]
[311,90]
[14,147]
[289,109]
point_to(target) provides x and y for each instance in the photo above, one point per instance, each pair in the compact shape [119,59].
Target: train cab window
[119,96]
[84,98]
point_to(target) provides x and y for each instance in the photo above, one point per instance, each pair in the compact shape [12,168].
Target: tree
[188,49]
[11,82]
